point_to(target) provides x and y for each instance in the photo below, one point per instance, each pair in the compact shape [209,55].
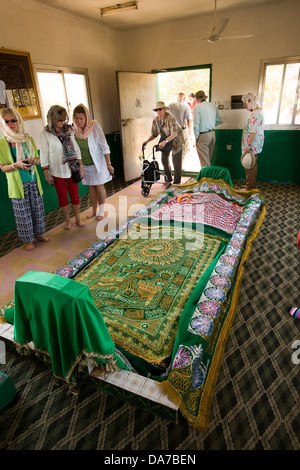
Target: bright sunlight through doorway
[188,81]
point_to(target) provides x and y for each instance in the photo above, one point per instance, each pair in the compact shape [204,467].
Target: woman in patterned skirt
[18,160]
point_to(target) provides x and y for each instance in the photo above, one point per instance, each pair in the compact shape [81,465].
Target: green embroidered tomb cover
[141,285]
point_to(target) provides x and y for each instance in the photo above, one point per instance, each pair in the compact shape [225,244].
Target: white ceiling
[150,11]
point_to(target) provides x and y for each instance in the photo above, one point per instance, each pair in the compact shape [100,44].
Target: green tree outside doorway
[172,82]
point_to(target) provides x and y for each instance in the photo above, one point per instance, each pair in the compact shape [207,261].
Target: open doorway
[187,80]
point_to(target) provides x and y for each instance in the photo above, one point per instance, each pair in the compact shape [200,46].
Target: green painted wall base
[279,161]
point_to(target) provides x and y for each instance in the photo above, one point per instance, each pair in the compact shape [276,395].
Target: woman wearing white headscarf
[253,136]
[18,160]
[95,154]
[58,150]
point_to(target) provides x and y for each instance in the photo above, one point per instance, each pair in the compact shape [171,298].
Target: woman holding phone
[18,160]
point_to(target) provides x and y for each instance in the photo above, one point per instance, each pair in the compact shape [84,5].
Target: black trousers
[177,163]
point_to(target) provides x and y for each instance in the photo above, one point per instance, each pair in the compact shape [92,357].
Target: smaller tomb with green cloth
[7,390]
[59,316]
[215,172]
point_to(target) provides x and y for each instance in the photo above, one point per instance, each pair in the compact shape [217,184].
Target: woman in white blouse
[57,149]
[95,154]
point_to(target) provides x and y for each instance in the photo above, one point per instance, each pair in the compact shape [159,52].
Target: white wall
[57,38]
[235,63]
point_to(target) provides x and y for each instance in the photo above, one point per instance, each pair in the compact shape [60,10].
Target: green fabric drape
[215,172]
[60,317]
[7,390]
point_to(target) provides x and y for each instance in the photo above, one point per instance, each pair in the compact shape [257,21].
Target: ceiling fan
[216,32]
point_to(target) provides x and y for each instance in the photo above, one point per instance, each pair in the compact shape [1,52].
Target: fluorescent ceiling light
[119,7]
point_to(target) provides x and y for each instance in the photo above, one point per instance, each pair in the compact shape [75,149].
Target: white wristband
[13,166]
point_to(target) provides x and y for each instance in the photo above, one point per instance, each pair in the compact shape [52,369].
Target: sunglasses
[159,109]
[10,120]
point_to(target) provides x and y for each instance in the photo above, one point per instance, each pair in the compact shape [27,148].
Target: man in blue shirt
[206,118]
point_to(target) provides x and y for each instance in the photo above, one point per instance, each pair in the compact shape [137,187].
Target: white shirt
[98,147]
[51,154]
[181,112]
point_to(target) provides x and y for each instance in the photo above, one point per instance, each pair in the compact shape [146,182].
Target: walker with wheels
[150,171]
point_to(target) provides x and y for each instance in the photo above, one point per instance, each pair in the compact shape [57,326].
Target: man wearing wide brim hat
[206,118]
[171,139]
[160,105]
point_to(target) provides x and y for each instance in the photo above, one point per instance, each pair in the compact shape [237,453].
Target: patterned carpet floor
[256,400]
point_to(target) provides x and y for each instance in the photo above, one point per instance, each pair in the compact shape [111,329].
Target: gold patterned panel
[141,287]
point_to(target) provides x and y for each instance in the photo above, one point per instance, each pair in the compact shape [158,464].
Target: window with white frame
[280,91]
[68,88]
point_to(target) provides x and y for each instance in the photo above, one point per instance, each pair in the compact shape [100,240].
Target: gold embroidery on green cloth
[141,286]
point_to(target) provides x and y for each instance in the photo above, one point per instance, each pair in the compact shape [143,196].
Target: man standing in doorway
[183,115]
[206,118]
